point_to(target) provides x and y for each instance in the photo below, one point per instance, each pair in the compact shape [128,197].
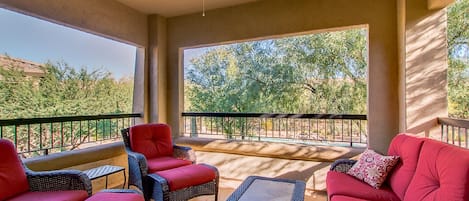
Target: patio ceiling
[171,8]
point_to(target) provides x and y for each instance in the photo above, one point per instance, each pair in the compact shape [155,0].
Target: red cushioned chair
[19,183]
[150,149]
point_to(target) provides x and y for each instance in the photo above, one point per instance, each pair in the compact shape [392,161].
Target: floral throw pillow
[373,168]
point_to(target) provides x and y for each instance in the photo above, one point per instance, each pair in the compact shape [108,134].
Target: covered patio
[406,78]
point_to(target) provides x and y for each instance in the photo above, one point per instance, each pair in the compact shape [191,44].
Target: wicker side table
[105,171]
[269,189]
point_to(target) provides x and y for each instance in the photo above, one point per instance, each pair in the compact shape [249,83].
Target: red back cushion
[13,179]
[408,148]
[151,140]
[442,174]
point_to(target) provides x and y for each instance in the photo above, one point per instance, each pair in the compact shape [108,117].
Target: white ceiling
[171,8]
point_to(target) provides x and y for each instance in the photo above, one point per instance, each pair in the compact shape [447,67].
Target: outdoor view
[315,73]
[322,73]
[57,72]
[458,60]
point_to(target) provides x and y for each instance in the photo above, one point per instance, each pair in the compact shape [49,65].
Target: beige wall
[277,17]
[425,64]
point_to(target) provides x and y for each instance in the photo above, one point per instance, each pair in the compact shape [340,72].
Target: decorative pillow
[373,168]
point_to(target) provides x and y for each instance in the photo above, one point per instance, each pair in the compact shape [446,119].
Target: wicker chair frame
[342,165]
[58,180]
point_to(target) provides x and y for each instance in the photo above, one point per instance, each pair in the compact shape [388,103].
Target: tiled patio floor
[235,168]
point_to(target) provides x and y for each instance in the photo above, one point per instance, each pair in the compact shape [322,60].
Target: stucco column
[425,64]
[157,79]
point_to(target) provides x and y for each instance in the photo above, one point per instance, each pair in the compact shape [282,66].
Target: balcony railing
[449,130]
[41,136]
[454,131]
[336,129]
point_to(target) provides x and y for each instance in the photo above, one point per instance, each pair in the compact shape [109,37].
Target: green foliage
[62,91]
[320,73]
[458,51]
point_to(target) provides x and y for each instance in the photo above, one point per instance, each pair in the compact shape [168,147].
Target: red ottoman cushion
[186,176]
[108,196]
[165,163]
[75,195]
[340,184]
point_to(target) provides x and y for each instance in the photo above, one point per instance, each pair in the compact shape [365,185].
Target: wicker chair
[138,164]
[146,167]
[18,182]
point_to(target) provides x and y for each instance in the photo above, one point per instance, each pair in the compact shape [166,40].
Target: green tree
[458,51]
[320,73]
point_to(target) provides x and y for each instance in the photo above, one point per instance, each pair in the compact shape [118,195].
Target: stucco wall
[278,17]
[157,61]
[425,64]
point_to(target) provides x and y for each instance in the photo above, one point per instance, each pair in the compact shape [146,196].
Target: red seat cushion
[164,163]
[76,195]
[341,184]
[108,196]
[346,198]
[186,176]
[13,179]
[151,140]
[442,174]
[407,147]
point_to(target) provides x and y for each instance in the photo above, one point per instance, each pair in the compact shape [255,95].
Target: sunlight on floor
[234,169]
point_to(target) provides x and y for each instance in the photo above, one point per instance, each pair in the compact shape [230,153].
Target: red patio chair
[162,170]
[150,149]
[17,182]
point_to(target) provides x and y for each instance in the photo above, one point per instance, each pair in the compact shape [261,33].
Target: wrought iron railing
[303,128]
[41,136]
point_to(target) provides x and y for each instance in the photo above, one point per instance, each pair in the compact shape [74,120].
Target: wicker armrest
[58,180]
[185,153]
[342,165]
[137,168]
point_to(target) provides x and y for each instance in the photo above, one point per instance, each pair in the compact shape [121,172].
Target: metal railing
[337,129]
[454,131]
[41,136]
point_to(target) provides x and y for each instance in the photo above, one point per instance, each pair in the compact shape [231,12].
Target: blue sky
[40,41]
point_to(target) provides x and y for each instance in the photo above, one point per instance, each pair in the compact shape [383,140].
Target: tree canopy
[62,91]
[317,73]
[458,51]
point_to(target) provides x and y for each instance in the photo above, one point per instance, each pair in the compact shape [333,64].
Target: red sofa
[427,170]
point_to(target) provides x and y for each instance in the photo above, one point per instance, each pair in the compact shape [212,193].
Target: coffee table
[269,189]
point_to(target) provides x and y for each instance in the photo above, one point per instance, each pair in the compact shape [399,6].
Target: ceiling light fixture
[203,8]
